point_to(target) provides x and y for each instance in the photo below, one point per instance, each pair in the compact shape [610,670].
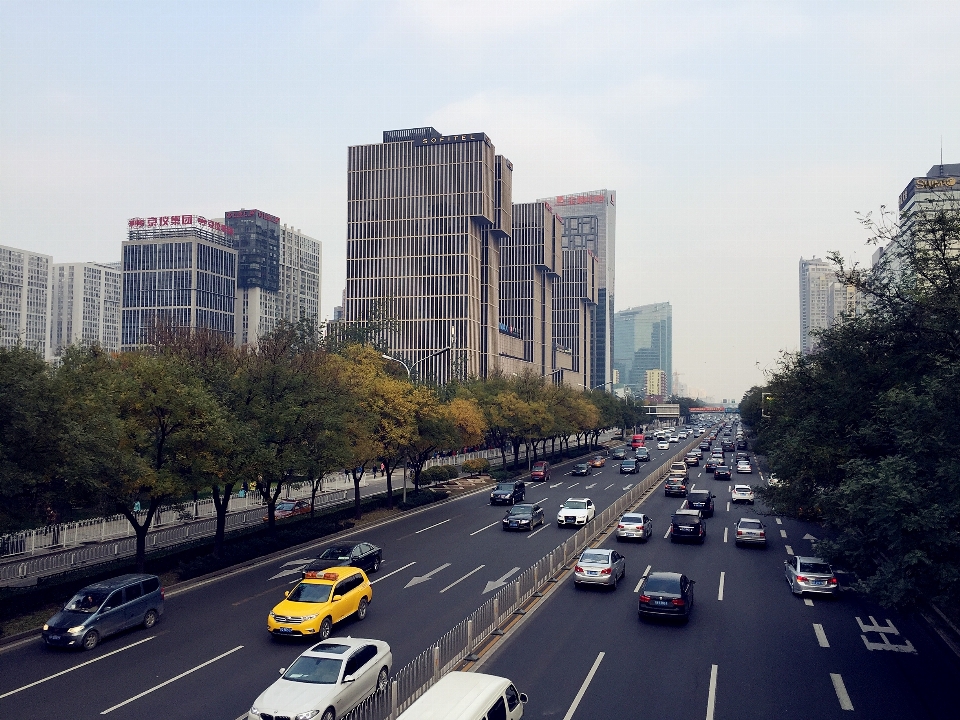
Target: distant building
[574,314]
[25,299]
[656,387]
[590,223]
[86,306]
[644,341]
[426,214]
[179,272]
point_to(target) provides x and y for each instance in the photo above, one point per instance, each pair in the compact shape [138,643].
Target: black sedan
[523,517]
[721,473]
[508,493]
[666,594]
[581,469]
[361,555]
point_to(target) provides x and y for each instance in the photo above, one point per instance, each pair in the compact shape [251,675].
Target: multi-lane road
[750,649]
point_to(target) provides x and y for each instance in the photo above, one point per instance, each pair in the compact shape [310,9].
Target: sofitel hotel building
[474,283]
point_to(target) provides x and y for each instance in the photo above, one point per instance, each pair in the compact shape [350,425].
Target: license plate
[513,524]
[54,637]
[661,603]
[629,534]
[592,572]
[818,582]
[283,630]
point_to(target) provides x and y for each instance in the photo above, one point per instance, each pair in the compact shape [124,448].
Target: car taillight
[833,581]
[763,533]
[605,571]
[801,578]
[162,596]
[679,602]
[620,526]
[578,569]
[644,598]
[739,531]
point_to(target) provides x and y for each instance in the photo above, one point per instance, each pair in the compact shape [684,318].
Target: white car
[576,511]
[682,435]
[744,467]
[663,445]
[327,681]
[742,493]
[674,438]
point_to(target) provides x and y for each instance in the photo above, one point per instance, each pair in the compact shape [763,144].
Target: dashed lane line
[430,527]
[720,591]
[725,534]
[642,578]
[609,486]
[475,570]
[572,486]
[542,528]
[841,691]
[728,506]
[666,534]
[373,582]
[821,635]
[783,533]
[789,549]
[779,521]
[583,688]
[808,602]
[486,527]
[712,692]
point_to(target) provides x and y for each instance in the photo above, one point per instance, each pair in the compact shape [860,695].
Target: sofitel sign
[447,139]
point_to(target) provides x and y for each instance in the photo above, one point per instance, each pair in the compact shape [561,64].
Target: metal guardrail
[416,677]
[99,551]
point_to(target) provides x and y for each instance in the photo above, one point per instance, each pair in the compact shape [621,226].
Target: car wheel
[513,500]
[328,715]
[150,619]
[362,609]
[325,627]
[794,589]
[376,564]
[614,583]
[382,679]
[90,640]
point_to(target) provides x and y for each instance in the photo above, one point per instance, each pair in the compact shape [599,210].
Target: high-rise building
[25,299]
[179,272]
[817,278]
[644,341]
[530,264]
[426,214]
[574,312]
[590,222]
[86,306]
[656,385]
[295,266]
[940,184]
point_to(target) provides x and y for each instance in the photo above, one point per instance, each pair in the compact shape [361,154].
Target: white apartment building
[85,306]
[25,297]
[816,280]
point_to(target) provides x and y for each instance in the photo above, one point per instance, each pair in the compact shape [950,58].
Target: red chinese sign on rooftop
[178,221]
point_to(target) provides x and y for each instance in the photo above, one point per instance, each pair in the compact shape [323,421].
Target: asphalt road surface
[750,650]
[210,655]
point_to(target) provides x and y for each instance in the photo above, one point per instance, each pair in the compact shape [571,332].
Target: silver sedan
[598,566]
[634,526]
[810,574]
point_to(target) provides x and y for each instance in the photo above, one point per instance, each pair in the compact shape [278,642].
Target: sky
[739,136]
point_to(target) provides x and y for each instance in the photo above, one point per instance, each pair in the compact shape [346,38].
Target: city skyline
[739,136]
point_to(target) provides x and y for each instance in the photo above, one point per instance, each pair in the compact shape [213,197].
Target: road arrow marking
[809,537]
[423,578]
[499,582]
[300,565]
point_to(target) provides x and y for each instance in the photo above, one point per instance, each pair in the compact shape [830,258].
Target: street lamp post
[409,368]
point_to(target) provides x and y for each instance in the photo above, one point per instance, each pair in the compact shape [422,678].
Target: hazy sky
[738,136]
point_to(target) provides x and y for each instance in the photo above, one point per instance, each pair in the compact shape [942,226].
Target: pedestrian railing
[470,635]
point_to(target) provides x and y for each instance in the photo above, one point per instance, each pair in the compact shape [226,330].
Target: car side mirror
[282,670]
[337,597]
[348,679]
[286,593]
[523,698]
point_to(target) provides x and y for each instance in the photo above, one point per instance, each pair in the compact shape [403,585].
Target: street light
[611,382]
[410,368]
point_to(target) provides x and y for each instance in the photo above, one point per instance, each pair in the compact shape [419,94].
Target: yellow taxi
[598,461]
[315,604]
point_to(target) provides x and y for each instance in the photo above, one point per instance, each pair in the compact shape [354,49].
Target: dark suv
[701,500]
[688,525]
[629,466]
[508,493]
[722,472]
[727,446]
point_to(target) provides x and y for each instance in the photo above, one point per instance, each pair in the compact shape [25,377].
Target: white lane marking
[608,486]
[725,534]
[720,592]
[666,534]
[76,667]
[789,549]
[583,688]
[808,601]
[821,635]
[642,578]
[783,533]
[779,521]
[423,578]
[699,474]
[556,485]
[587,487]
[485,527]
[712,692]
[728,506]
[841,691]
[542,528]
[541,500]
[572,486]
[729,488]
[433,526]
[463,578]
[173,679]
[300,565]
[628,486]
[374,582]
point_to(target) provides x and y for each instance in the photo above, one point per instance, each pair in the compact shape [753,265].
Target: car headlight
[306,715]
[254,712]
[75,630]
[46,627]
[304,619]
[272,615]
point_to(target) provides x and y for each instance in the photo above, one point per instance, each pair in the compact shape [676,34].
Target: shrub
[453,472]
[435,474]
[477,466]
[424,497]
[501,474]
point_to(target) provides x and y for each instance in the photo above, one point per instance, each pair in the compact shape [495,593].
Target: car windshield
[632,518]
[507,487]
[751,524]
[662,585]
[336,553]
[87,601]
[319,670]
[674,481]
[311,593]
[595,557]
[520,510]
[627,463]
[581,466]
[539,466]
[685,519]
[575,505]
[285,507]
[816,568]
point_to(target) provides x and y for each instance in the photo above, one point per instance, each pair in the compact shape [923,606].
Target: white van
[468,696]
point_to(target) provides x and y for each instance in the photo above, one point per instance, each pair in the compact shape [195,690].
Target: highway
[750,650]
[211,655]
